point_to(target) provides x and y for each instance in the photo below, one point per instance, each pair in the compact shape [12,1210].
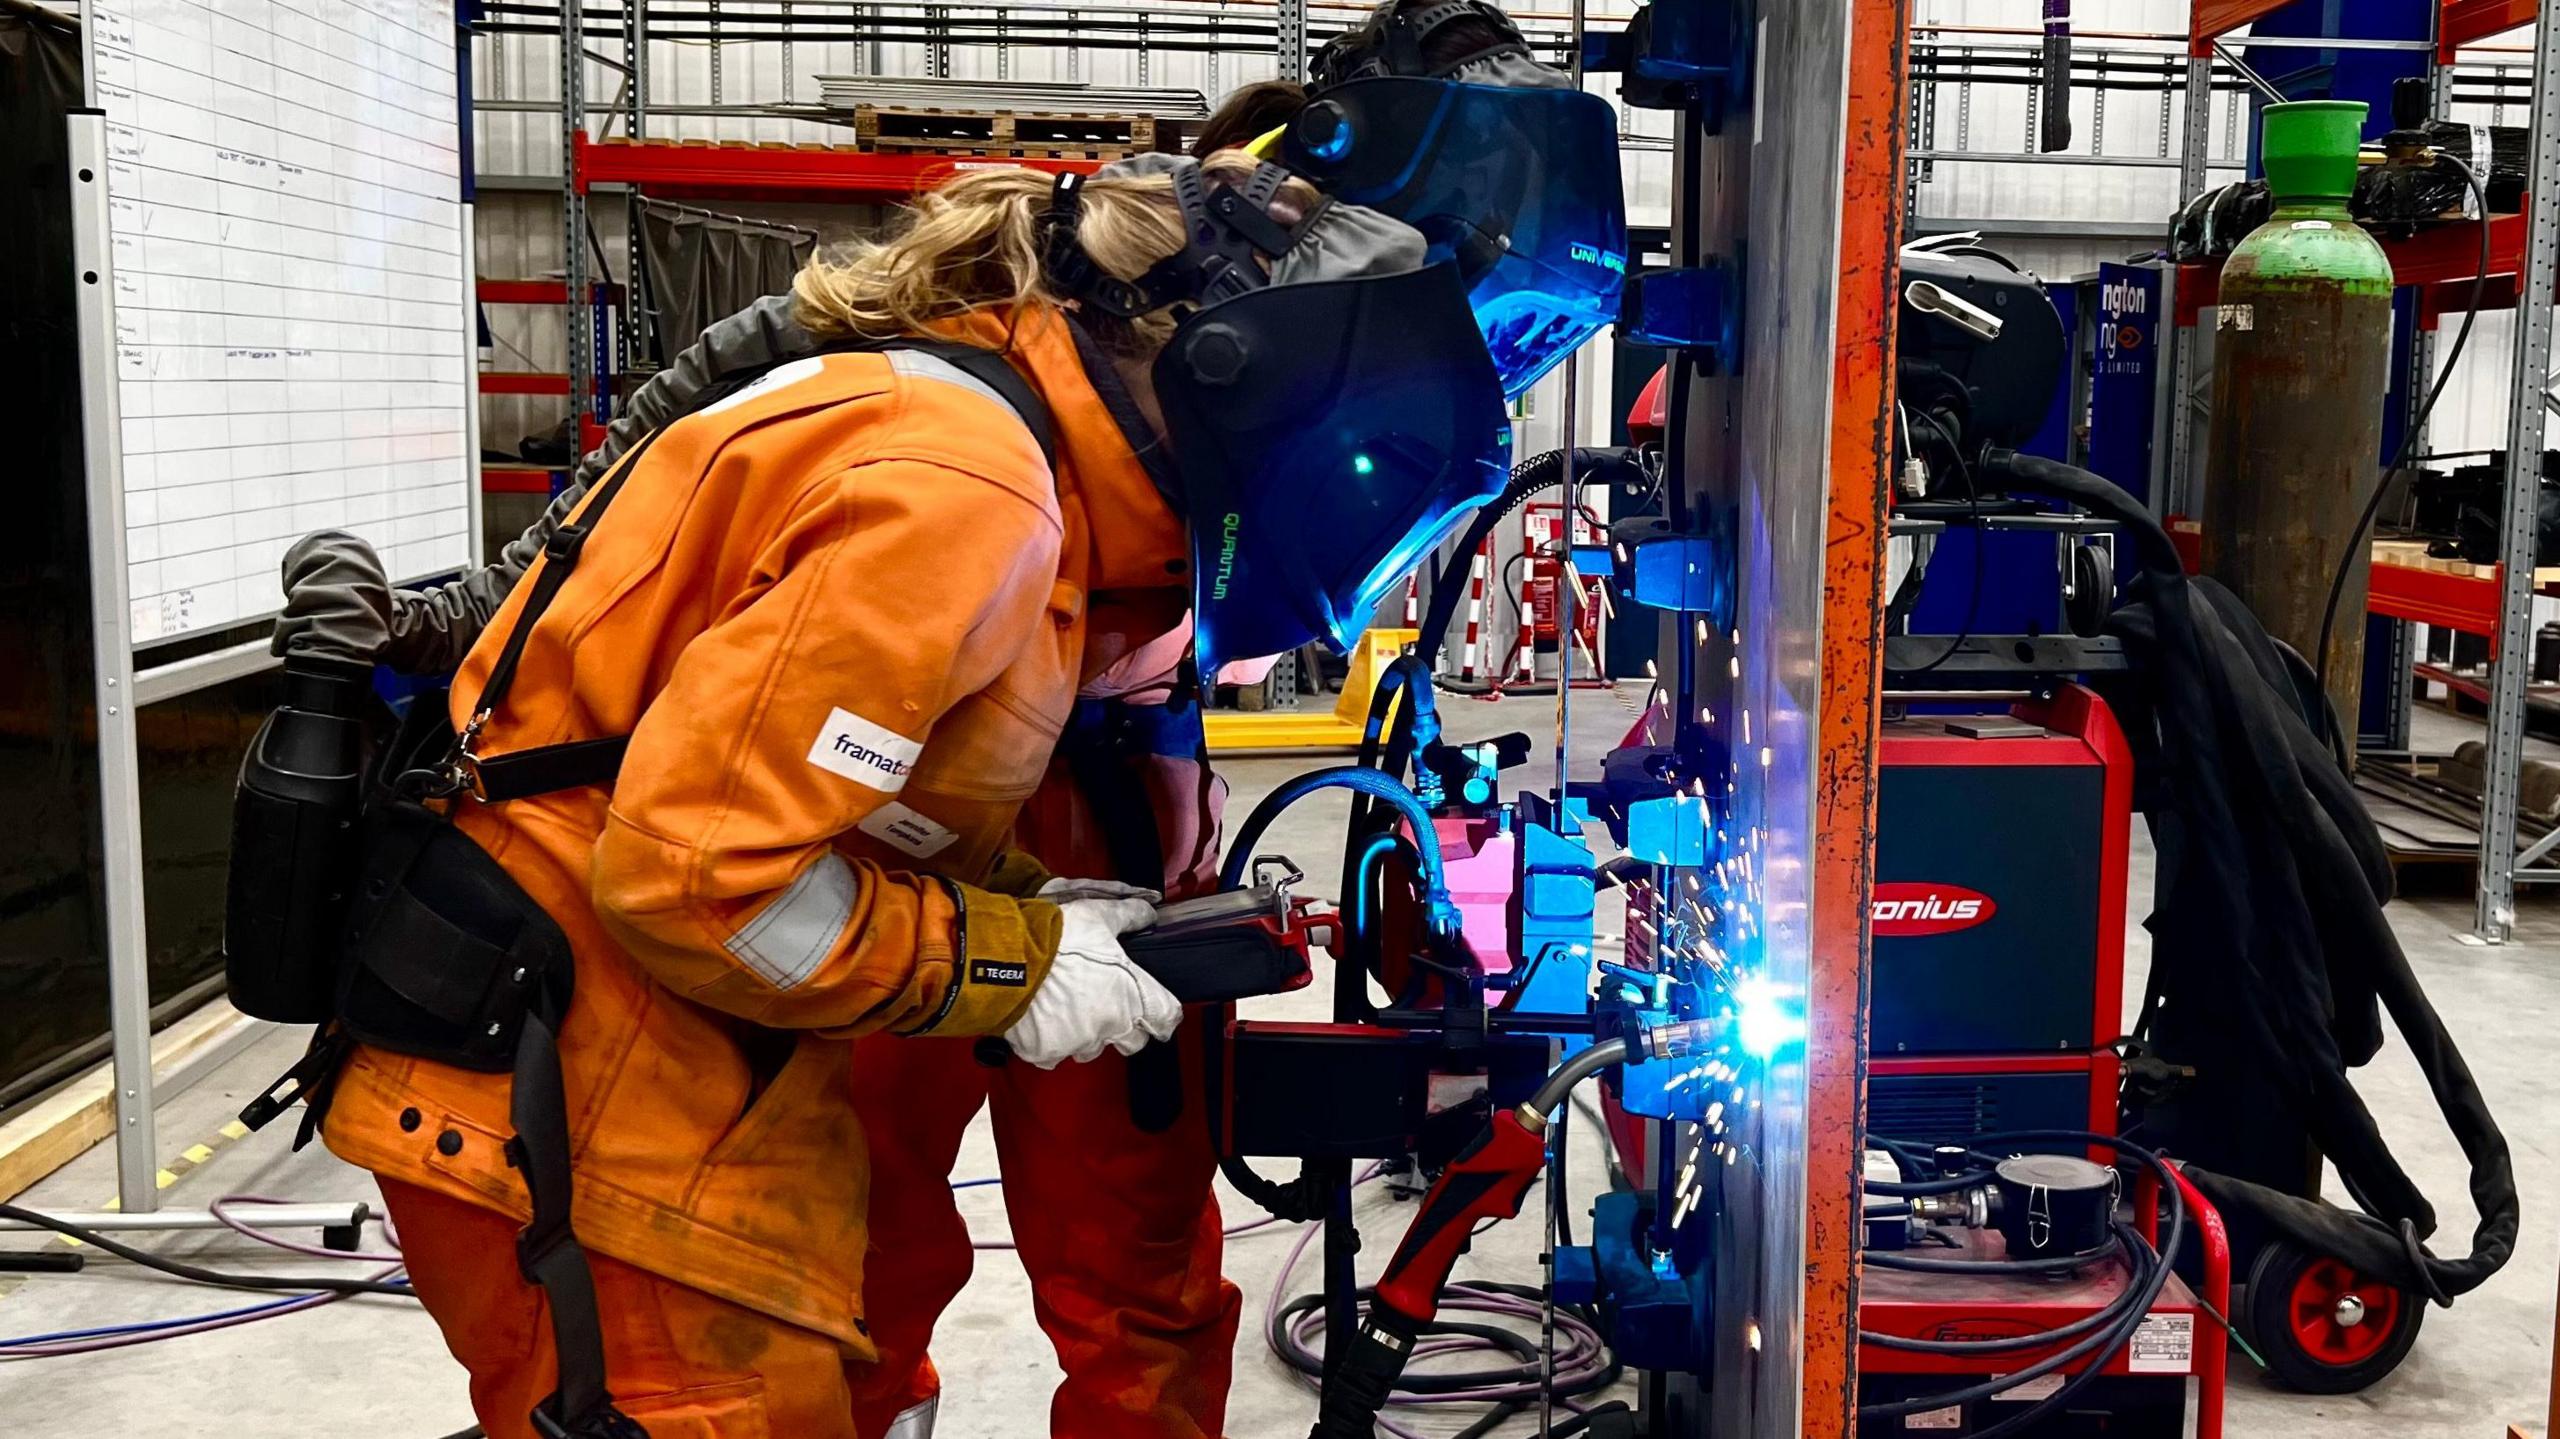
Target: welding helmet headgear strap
[1231,236]
[1394,40]
[1328,434]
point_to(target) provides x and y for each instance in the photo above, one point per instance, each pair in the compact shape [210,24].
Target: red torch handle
[1488,1180]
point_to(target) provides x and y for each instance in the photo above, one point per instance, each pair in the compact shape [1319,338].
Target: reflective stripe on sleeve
[788,938]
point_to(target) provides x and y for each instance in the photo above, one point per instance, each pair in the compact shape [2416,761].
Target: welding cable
[2409,436]
[2124,1315]
[221,1209]
[116,1336]
[2041,1264]
[1584,1363]
[1388,741]
[2280,880]
[11,1347]
[1363,947]
[66,1343]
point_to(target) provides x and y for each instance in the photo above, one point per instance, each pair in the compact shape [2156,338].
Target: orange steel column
[1845,782]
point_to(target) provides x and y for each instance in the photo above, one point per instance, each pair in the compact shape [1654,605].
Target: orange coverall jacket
[843,616]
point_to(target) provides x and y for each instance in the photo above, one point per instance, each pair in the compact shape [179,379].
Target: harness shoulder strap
[546,769]
[992,374]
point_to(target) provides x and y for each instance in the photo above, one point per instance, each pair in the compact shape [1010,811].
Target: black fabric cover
[2272,961]
[705,268]
[53,970]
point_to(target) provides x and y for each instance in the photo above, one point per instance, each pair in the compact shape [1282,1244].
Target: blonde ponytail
[974,244]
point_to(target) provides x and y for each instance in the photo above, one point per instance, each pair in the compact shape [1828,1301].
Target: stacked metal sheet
[839,94]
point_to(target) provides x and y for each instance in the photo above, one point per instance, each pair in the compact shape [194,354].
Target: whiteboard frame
[111,619]
[120,684]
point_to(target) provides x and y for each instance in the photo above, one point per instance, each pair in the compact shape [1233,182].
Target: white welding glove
[1095,998]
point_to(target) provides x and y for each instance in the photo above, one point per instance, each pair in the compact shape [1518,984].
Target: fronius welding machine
[2001,846]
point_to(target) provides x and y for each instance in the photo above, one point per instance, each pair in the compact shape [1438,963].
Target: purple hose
[220,1210]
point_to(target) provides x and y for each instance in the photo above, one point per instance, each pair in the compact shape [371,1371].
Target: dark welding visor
[1329,434]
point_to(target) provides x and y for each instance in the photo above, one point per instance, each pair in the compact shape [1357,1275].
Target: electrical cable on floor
[196,1273]
[2409,437]
[118,1336]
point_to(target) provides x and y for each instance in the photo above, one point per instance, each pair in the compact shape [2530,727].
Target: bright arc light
[1764,1021]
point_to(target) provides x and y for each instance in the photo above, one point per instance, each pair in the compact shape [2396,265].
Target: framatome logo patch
[864,752]
[1907,908]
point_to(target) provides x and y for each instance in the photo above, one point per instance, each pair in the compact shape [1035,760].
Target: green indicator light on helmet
[1362,465]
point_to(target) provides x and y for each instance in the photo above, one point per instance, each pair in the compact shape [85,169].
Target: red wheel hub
[2339,1317]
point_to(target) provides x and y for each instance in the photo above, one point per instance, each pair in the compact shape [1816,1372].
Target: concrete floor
[377,1368]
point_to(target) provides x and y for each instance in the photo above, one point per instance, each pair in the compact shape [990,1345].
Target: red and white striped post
[1476,566]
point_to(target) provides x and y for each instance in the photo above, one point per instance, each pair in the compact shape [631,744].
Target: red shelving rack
[679,170]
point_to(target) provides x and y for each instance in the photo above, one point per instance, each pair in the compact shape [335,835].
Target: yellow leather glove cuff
[1003,950]
[1016,873]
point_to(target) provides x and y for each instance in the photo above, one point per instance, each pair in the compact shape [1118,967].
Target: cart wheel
[2322,1327]
[2093,592]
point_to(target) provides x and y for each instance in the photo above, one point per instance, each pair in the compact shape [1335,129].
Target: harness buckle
[563,544]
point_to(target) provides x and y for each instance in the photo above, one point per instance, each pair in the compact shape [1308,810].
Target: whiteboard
[293,314]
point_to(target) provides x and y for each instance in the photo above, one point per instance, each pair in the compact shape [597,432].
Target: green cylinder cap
[2309,148]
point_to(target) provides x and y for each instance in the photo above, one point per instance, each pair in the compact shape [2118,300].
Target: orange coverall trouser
[1116,1227]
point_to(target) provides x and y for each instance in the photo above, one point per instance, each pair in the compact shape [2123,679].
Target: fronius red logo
[1908,908]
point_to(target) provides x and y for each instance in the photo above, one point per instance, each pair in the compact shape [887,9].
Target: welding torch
[1486,1182]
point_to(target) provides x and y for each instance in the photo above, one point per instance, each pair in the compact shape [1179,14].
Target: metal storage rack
[760,171]
[2524,250]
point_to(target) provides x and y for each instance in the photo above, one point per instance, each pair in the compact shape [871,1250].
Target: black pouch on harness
[293,820]
[446,952]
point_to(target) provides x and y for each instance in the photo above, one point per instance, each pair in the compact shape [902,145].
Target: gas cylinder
[2301,357]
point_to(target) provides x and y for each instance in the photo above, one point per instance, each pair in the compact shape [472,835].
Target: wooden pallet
[1005,133]
[2413,554]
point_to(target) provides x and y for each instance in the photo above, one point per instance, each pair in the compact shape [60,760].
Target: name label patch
[863,752]
[901,828]
[1008,973]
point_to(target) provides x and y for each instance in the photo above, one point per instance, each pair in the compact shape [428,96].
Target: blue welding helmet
[1330,408]
[1329,435]
[1517,186]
